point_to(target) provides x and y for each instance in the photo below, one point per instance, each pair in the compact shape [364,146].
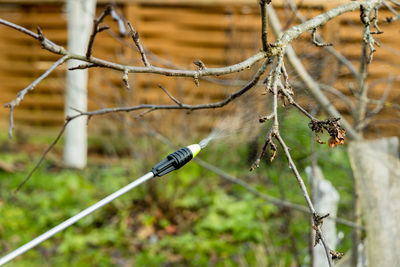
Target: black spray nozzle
[175,160]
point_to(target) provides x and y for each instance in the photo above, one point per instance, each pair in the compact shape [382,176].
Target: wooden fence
[179,32]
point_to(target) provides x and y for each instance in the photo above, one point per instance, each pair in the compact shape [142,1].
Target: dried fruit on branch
[334,129]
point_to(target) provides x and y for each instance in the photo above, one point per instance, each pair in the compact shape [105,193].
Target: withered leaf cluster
[334,129]
[336,255]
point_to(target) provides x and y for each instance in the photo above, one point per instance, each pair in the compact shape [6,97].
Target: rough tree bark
[80,20]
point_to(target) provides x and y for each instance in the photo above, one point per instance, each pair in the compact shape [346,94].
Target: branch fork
[365,13]
[315,40]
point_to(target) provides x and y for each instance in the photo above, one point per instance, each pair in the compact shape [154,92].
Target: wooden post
[80,19]
[376,168]
[326,199]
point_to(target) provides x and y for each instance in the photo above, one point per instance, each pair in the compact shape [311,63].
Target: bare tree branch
[97,29]
[21,94]
[179,103]
[367,43]
[135,37]
[397,3]
[151,107]
[319,20]
[384,104]
[330,49]
[264,23]
[315,41]
[276,87]
[83,66]
[396,14]
[311,85]
[383,100]
[50,46]
[306,196]
[380,104]
[268,142]
[50,147]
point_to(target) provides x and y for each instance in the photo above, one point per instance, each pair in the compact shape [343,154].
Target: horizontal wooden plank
[377,69]
[32,20]
[44,101]
[49,85]
[32,117]
[176,2]
[354,34]
[32,66]
[26,51]
[353,51]
[375,93]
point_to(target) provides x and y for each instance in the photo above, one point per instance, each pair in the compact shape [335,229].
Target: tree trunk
[376,168]
[80,20]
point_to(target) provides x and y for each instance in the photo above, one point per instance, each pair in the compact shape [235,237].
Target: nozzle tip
[195,149]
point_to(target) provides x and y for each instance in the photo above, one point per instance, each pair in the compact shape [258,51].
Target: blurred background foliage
[191,217]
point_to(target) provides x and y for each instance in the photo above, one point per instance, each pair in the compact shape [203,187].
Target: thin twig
[262,119]
[96,30]
[330,49]
[365,59]
[135,37]
[305,112]
[315,40]
[296,173]
[276,83]
[283,41]
[397,3]
[50,147]
[83,66]
[380,104]
[385,104]
[200,64]
[21,94]
[179,103]
[374,21]
[295,31]
[264,23]
[311,85]
[268,142]
[303,188]
[151,107]
[51,47]
[11,119]
[23,30]
[394,11]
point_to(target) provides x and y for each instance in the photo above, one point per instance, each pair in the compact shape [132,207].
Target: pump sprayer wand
[172,162]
